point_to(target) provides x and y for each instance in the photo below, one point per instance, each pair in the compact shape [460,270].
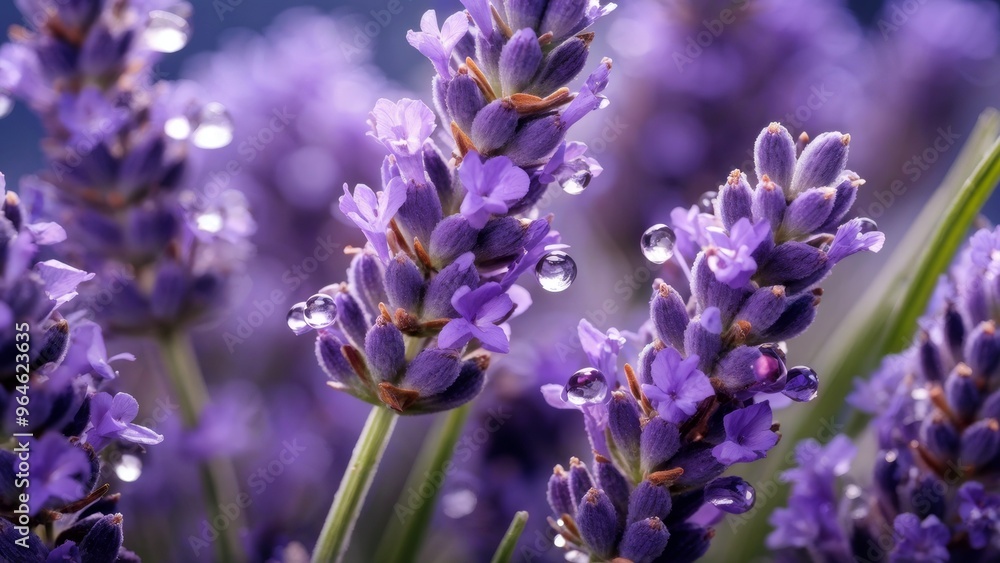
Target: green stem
[217,476]
[505,551]
[333,540]
[403,537]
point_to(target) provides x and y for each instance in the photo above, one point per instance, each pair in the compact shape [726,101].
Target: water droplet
[770,370]
[731,494]
[577,556]
[575,184]
[555,271]
[215,127]
[587,386]
[167,32]
[6,104]
[296,318]
[559,541]
[802,384]
[457,504]
[891,455]
[707,201]
[210,221]
[867,225]
[658,243]
[129,468]
[320,311]
[605,102]
[178,127]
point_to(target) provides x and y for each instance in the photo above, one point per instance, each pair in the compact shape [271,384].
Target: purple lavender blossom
[696,401]
[492,186]
[111,419]
[481,309]
[372,212]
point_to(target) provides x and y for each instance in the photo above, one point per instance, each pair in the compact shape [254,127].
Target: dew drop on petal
[706,203]
[575,184]
[559,541]
[178,127]
[802,384]
[129,468]
[731,494]
[770,369]
[586,387]
[658,243]
[296,318]
[555,271]
[167,32]
[457,504]
[215,127]
[867,225]
[320,311]
[604,103]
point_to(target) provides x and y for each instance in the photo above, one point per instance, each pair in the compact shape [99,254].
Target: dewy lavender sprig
[117,144]
[55,417]
[932,494]
[700,398]
[428,298]
[446,243]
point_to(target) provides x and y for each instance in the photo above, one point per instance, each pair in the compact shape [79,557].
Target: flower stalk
[336,533]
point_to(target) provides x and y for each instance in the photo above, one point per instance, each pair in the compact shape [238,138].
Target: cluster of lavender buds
[57,420]
[117,144]
[700,399]
[932,494]
[428,297]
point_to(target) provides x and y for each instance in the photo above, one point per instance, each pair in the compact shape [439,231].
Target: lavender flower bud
[333,362]
[561,66]
[103,540]
[689,542]
[670,316]
[991,406]
[494,126]
[623,422]
[940,436]
[351,319]
[452,237]
[579,480]
[597,521]
[613,483]
[774,155]
[660,441]
[930,359]
[535,139]
[847,193]
[562,16]
[432,371]
[809,211]
[795,265]
[558,493]
[404,284]
[644,541]
[501,240]
[980,443]
[954,332]
[519,61]
[468,385]
[437,300]
[699,465]
[963,394]
[736,370]
[365,279]
[648,501]
[646,358]
[525,13]
[439,174]
[769,204]
[822,162]
[926,497]
[763,309]
[798,315]
[735,199]
[710,292]
[982,349]
[464,101]
[385,351]
[703,338]
[421,212]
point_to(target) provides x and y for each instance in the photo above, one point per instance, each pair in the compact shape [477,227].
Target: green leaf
[505,551]
[884,319]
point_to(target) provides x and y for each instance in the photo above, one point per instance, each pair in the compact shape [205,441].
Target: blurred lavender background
[697,80]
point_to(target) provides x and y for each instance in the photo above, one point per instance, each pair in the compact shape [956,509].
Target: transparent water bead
[731,494]
[320,311]
[706,203]
[586,387]
[178,127]
[128,468]
[575,184]
[658,243]
[770,369]
[167,32]
[802,384]
[214,128]
[867,225]
[555,271]
[296,318]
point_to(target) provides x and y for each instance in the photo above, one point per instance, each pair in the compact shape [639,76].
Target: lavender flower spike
[699,400]
[449,235]
[935,409]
